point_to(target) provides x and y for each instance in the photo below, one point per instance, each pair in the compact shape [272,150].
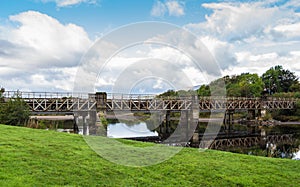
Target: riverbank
[33,157]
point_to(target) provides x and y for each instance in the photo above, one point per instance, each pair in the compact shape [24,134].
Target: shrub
[14,112]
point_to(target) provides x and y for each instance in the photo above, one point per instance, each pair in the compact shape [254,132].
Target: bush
[14,112]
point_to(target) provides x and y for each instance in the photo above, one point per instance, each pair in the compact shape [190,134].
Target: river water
[289,149]
[122,130]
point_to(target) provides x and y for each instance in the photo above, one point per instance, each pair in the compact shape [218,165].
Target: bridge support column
[165,124]
[168,122]
[263,137]
[259,113]
[228,120]
[160,124]
[251,114]
[184,125]
[263,113]
[193,121]
[92,123]
[84,125]
[101,99]
[75,126]
[81,121]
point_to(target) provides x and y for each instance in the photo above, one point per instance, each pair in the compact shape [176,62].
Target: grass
[31,157]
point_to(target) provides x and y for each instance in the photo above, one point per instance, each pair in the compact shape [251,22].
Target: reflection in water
[122,130]
[266,146]
[296,156]
[280,141]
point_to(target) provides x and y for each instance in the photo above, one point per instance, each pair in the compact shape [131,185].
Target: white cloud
[292,4]
[45,42]
[173,8]
[259,63]
[233,21]
[159,9]
[37,51]
[253,36]
[221,51]
[66,3]
[153,68]
[52,79]
[289,30]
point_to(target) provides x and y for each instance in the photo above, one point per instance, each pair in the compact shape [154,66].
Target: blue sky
[103,15]
[42,41]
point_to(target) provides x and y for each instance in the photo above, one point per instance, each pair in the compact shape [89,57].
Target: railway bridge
[86,105]
[61,102]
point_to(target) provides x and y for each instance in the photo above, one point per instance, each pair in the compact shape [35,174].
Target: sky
[45,45]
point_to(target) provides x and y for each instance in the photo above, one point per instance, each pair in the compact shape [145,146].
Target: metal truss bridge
[54,103]
[46,102]
[205,103]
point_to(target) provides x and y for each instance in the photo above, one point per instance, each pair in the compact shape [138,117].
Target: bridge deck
[47,102]
[205,104]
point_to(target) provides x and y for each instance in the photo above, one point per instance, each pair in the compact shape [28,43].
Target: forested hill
[275,81]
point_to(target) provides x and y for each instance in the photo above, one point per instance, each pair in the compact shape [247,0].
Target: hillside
[42,158]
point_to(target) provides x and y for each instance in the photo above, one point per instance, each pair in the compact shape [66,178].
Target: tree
[295,87]
[244,85]
[203,91]
[14,112]
[277,79]
[2,90]
[251,85]
[233,90]
[218,87]
[169,93]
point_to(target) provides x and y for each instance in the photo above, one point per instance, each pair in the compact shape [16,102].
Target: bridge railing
[130,96]
[47,95]
[44,95]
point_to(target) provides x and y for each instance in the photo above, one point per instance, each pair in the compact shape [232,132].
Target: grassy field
[31,157]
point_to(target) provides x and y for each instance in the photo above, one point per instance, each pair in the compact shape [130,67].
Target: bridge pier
[184,125]
[91,122]
[75,126]
[188,123]
[85,125]
[84,121]
[263,136]
[251,114]
[168,122]
[259,113]
[101,100]
[164,124]
[228,120]
[185,128]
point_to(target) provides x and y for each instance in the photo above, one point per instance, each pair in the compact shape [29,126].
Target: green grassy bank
[31,157]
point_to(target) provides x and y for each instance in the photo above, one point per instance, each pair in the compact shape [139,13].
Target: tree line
[274,80]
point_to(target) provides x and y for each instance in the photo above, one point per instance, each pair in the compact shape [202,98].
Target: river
[281,149]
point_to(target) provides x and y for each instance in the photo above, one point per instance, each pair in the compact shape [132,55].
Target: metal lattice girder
[281,104]
[64,102]
[204,104]
[148,105]
[283,138]
[61,105]
[245,141]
